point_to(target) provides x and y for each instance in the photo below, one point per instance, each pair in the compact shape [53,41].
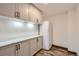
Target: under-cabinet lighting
[16,24]
[30,25]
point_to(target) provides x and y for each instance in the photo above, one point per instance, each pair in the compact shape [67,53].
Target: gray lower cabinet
[24,48]
[40,43]
[33,46]
[8,50]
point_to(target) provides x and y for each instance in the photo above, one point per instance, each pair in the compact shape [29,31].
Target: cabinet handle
[16,47]
[37,20]
[37,39]
[17,14]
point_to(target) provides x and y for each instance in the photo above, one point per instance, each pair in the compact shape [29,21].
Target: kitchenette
[20,29]
[38,29]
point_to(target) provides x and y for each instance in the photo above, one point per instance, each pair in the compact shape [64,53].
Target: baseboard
[73,53]
[56,46]
[60,47]
[66,49]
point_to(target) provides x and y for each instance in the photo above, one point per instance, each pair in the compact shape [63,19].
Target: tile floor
[54,51]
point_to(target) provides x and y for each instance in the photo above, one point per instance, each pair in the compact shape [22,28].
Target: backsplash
[11,28]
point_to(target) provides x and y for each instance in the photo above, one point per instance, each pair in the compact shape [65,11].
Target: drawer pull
[17,14]
[16,47]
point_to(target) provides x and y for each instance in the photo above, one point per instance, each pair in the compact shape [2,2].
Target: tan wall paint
[72,29]
[66,29]
[59,29]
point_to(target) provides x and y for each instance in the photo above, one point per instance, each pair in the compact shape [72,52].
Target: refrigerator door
[46,32]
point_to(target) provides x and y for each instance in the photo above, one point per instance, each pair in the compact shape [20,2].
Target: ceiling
[54,8]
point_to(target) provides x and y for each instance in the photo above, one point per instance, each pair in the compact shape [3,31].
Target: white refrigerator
[47,32]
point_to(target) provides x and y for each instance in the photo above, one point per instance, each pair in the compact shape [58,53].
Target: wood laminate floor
[55,51]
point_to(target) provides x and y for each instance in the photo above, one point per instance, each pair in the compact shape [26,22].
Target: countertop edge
[14,41]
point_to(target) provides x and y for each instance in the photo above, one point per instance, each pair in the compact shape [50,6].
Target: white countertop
[15,40]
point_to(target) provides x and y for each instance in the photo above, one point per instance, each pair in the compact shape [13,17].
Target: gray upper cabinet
[34,14]
[7,9]
[23,10]
[16,10]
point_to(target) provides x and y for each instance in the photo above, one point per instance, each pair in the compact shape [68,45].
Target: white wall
[59,29]
[66,29]
[77,30]
[72,29]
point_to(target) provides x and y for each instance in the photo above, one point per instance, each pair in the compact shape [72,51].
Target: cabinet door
[33,46]
[7,9]
[8,51]
[40,43]
[35,14]
[39,16]
[23,9]
[24,49]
